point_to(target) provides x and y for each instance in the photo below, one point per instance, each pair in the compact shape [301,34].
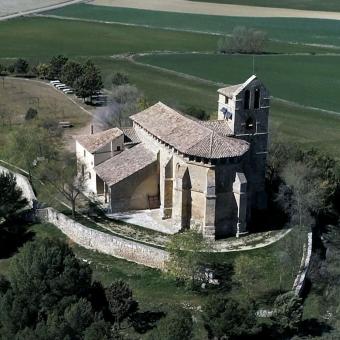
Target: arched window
[247,100]
[89,175]
[257,97]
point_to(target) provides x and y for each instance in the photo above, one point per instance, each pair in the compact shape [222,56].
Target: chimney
[91,129]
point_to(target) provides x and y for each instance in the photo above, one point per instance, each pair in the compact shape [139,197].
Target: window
[257,97]
[249,123]
[118,148]
[84,153]
[89,175]
[226,100]
[83,170]
[247,100]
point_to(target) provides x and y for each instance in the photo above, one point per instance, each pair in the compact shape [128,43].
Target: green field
[316,5]
[307,80]
[42,37]
[310,31]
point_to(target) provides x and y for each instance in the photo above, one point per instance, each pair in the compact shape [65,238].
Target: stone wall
[104,242]
[300,280]
[24,184]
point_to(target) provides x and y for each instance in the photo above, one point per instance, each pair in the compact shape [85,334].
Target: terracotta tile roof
[234,90]
[219,126]
[94,142]
[125,164]
[186,135]
[131,134]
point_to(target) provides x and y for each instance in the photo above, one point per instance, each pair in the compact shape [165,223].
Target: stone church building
[204,174]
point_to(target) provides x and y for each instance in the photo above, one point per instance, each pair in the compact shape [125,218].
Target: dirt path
[10,9]
[184,6]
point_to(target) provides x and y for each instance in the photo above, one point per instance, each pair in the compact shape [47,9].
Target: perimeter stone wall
[103,242]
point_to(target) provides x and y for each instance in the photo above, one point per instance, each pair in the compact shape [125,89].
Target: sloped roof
[131,134]
[186,135]
[219,126]
[234,90]
[125,164]
[94,142]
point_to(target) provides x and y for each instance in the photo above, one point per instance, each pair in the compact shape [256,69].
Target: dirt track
[184,6]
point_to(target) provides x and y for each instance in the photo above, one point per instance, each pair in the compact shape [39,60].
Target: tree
[64,175]
[31,114]
[288,311]
[243,40]
[196,112]
[125,101]
[56,65]
[89,82]
[228,319]
[21,66]
[247,272]
[71,71]
[177,325]
[120,78]
[302,194]
[47,282]
[120,301]
[43,70]
[187,256]
[11,197]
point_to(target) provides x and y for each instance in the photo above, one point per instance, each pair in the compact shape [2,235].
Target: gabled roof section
[234,90]
[130,133]
[125,164]
[94,142]
[186,135]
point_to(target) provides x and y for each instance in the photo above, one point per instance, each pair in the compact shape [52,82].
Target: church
[208,175]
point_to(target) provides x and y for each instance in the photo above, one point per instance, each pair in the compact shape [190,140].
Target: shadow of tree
[145,321]
[13,235]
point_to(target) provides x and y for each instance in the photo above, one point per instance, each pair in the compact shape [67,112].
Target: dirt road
[14,8]
[184,6]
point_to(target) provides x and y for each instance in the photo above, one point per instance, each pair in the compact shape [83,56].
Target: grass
[307,80]
[310,31]
[310,128]
[315,5]
[43,37]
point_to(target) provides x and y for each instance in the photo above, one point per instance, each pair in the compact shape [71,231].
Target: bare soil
[184,6]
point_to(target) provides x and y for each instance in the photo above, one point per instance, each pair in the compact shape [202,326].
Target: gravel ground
[184,6]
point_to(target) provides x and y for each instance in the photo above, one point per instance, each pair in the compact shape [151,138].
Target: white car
[55,82]
[59,85]
[67,91]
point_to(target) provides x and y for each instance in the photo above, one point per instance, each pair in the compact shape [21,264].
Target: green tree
[187,256]
[177,325]
[288,310]
[21,66]
[11,198]
[31,114]
[247,272]
[56,65]
[71,71]
[120,301]
[43,70]
[89,82]
[228,319]
[119,78]
[47,282]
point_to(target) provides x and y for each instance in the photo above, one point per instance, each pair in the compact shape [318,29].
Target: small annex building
[204,174]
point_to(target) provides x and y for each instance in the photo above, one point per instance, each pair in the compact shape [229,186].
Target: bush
[31,114]
[21,66]
[243,40]
[196,112]
[119,78]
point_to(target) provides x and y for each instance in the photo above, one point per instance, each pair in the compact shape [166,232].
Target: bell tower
[246,107]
